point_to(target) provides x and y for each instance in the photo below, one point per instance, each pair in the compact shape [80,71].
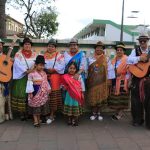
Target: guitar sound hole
[5,63]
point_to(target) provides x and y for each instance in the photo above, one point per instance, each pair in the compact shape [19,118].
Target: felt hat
[40,59]
[52,42]
[99,43]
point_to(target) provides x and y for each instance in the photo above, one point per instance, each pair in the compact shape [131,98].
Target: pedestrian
[38,90]
[119,96]
[5,72]
[73,103]
[23,64]
[139,98]
[99,71]
[54,67]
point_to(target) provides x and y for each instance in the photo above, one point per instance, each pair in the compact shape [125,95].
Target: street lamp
[122,19]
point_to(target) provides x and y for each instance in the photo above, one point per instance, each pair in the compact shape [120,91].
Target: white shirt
[133,59]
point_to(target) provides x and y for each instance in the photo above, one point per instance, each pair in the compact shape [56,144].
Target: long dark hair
[75,64]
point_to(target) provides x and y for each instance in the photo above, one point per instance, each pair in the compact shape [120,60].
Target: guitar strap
[138,51]
[55,60]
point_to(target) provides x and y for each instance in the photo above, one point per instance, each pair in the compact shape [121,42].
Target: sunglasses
[143,41]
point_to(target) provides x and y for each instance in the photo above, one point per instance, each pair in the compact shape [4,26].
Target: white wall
[113,34]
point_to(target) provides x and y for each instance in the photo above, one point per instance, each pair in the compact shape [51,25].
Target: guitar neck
[9,53]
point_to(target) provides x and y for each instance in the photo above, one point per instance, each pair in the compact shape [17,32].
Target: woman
[23,65]
[54,67]
[119,98]
[100,69]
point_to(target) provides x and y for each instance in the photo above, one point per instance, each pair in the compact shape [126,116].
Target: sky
[74,15]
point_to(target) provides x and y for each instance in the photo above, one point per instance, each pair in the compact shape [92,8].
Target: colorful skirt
[18,95]
[72,107]
[56,100]
[43,110]
[118,101]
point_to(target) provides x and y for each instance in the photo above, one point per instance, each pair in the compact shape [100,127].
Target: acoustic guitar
[6,64]
[140,69]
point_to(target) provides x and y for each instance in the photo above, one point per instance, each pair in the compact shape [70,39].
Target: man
[139,55]
[5,112]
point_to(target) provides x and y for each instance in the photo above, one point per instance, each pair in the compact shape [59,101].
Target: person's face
[143,43]
[51,48]
[40,67]
[1,47]
[99,50]
[72,70]
[73,47]
[119,52]
[27,46]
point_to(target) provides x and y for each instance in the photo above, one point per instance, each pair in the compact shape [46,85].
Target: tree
[40,17]
[44,24]
[2,19]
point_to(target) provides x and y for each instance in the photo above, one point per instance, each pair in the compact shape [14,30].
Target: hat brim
[2,42]
[120,46]
[38,62]
[99,45]
[147,38]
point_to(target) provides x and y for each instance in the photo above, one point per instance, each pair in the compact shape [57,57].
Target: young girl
[38,90]
[74,95]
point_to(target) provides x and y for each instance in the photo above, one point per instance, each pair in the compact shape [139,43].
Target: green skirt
[19,95]
[72,107]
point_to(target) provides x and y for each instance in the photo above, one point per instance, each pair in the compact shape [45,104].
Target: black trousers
[147,103]
[137,107]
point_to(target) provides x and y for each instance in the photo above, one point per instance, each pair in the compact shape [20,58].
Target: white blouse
[59,64]
[20,66]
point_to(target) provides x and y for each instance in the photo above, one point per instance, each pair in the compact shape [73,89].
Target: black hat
[99,43]
[120,45]
[40,59]
[52,42]
[26,40]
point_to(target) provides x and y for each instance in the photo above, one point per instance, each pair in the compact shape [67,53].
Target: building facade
[106,30]
[13,26]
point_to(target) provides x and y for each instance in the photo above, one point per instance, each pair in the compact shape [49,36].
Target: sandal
[36,124]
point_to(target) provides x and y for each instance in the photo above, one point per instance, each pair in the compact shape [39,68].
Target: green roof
[126,28]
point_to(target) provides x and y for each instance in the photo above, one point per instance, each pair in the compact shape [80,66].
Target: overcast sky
[76,14]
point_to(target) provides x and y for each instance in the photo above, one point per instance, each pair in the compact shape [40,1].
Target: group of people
[46,83]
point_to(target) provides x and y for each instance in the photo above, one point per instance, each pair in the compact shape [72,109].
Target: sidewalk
[89,135]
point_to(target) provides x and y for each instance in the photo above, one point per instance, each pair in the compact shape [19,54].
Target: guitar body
[140,69]
[5,68]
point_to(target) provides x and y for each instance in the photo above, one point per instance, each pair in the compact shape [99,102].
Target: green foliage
[40,17]
[45,23]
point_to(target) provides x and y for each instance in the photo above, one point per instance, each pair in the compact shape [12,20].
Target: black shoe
[113,117]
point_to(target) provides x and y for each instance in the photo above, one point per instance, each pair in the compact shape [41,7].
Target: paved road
[89,135]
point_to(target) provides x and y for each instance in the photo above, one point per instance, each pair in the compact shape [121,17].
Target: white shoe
[93,117]
[49,121]
[100,118]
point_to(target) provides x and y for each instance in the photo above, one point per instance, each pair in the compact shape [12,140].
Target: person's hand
[76,76]
[29,71]
[143,58]
[30,95]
